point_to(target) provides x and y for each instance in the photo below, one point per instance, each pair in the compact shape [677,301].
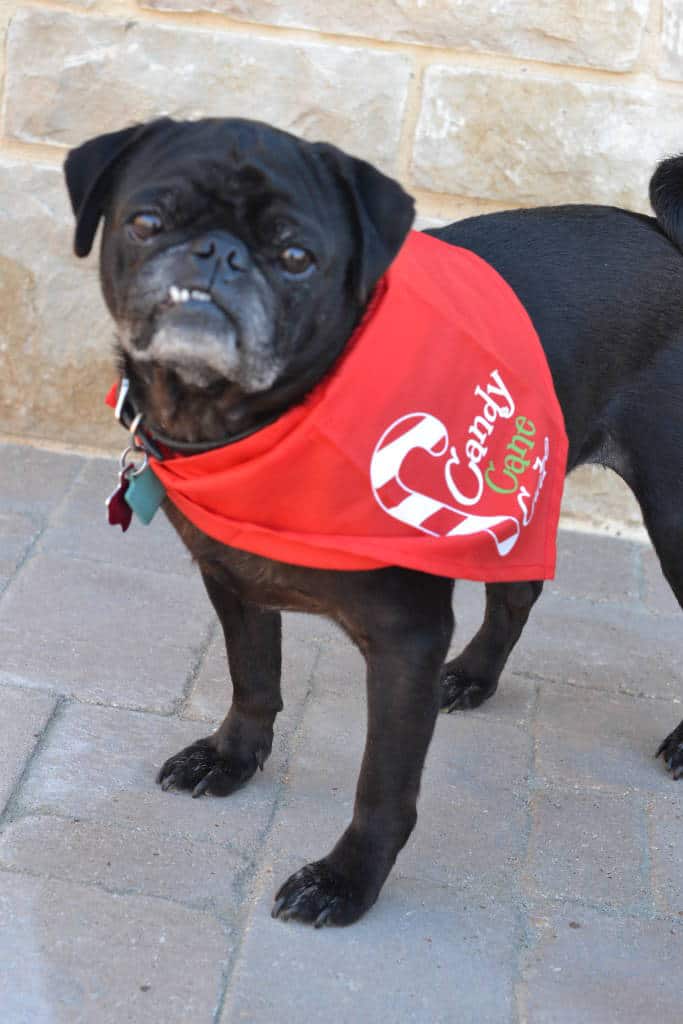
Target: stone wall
[475,106]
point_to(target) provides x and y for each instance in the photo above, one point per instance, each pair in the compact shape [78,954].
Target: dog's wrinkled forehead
[190,168]
[231,162]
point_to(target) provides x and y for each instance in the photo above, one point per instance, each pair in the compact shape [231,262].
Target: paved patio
[543,884]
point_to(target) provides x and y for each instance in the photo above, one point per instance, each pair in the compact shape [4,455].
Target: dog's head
[236,260]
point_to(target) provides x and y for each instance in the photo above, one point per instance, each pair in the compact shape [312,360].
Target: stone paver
[100,764]
[138,860]
[80,527]
[103,632]
[17,533]
[656,597]
[544,880]
[590,846]
[611,970]
[425,953]
[23,715]
[666,852]
[73,955]
[601,740]
[34,482]
[588,566]
[605,647]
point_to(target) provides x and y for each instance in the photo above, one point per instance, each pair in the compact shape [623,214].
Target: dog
[271,249]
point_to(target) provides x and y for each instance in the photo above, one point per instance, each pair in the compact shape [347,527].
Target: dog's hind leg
[665,526]
[649,427]
[471,678]
[222,762]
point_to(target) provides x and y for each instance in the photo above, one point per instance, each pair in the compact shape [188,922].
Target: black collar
[158,445]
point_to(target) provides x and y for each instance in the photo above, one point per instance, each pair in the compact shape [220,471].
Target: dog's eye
[144,225]
[295,260]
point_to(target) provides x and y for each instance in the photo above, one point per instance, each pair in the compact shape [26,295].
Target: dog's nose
[229,253]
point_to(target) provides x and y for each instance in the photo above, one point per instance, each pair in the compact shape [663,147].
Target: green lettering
[514,466]
[496,487]
[519,426]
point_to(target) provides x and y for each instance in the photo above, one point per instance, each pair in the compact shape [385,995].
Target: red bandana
[436,443]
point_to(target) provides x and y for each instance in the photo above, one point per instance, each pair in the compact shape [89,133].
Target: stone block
[671,65]
[55,336]
[422,953]
[658,595]
[23,716]
[100,765]
[604,35]
[665,815]
[347,94]
[72,955]
[600,740]
[588,846]
[17,533]
[531,139]
[586,966]
[80,528]
[34,481]
[472,815]
[601,646]
[589,566]
[137,860]
[105,633]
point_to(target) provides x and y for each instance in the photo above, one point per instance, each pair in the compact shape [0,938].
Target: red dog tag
[118,512]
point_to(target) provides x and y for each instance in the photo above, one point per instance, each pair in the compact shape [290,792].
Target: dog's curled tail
[666,197]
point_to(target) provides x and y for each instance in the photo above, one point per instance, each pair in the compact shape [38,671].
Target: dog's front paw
[461,693]
[206,767]
[319,895]
[672,750]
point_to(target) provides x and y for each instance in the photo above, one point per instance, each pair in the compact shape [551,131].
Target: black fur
[604,289]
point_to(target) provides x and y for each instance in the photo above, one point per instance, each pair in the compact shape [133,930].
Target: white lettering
[491,408]
[453,487]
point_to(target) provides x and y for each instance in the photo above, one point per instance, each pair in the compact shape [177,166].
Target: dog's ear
[90,171]
[383,213]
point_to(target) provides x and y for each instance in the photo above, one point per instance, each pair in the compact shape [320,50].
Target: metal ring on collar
[138,451]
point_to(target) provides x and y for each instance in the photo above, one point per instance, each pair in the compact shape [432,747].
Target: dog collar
[156,444]
[159,446]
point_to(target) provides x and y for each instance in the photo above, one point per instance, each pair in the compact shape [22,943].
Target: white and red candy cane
[429,515]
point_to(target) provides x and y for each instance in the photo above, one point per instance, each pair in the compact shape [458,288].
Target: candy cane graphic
[395,497]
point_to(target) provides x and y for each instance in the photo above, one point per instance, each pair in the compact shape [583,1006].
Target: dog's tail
[666,197]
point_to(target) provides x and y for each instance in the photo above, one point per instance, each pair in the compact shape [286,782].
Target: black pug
[301,234]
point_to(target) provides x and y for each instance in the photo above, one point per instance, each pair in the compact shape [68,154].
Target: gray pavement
[543,884]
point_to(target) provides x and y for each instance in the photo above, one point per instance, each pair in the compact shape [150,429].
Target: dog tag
[118,512]
[144,495]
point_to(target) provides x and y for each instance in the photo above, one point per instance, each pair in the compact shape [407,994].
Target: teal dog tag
[144,495]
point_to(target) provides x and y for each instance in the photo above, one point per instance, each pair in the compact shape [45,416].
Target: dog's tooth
[200,296]
[174,293]
[184,295]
